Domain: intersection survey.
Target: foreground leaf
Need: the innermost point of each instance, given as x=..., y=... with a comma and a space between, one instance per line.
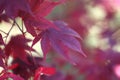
x=17, y=47
x=44, y=71
x=62, y=40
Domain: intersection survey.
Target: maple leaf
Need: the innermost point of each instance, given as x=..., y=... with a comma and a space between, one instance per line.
x=66, y=30
x=26, y=70
x=45, y=8
x=34, y=24
x=40, y=9
x=17, y=47
x=60, y=40
x=12, y=7
x=63, y=39
x=44, y=71
x=45, y=45
x=23, y=69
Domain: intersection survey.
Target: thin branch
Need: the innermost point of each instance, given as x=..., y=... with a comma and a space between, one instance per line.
x=3, y=32
x=9, y=31
x=19, y=28
x=22, y=26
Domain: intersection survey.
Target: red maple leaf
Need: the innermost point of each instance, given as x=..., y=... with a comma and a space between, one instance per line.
x=17, y=47
x=44, y=71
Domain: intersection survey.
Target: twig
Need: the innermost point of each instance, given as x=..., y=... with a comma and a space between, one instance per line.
x=3, y=32
x=20, y=28
x=9, y=31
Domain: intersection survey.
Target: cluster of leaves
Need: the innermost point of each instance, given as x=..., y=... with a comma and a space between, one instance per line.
x=54, y=35
x=57, y=37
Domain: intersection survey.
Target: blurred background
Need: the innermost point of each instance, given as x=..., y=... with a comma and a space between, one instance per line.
x=98, y=23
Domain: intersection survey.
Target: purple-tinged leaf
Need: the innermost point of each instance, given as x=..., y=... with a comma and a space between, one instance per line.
x=65, y=37
x=59, y=47
x=61, y=40
x=45, y=24
x=45, y=45
x=66, y=30
x=12, y=7
x=72, y=43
